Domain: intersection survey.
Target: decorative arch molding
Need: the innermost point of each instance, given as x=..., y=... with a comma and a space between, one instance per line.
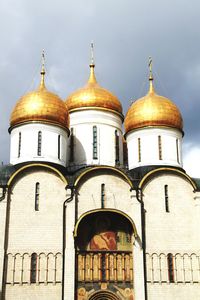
x=152, y=173
x=15, y=174
x=115, y=170
x=103, y=295
x=114, y=211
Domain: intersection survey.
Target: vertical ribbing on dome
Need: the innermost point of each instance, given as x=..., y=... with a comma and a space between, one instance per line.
x=42, y=83
x=151, y=87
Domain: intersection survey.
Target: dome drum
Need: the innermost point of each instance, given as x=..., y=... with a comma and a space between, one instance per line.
x=96, y=120
x=154, y=130
x=39, y=127
x=36, y=141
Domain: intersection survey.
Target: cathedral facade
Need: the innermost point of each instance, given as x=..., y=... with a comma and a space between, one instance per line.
x=89, y=211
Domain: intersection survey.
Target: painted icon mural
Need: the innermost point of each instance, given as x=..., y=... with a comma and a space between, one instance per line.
x=104, y=238
x=103, y=233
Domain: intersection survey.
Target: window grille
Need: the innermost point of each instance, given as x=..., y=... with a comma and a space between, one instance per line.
x=37, y=196
x=177, y=151
x=19, y=144
x=139, y=150
x=39, y=143
x=160, y=147
x=59, y=146
x=33, y=268
x=116, y=147
x=166, y=198
x=170, y=264
x=71, y=154
x=94, y=142
x=102, y=195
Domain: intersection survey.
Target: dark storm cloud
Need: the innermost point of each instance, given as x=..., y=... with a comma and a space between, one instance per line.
x=125, y=33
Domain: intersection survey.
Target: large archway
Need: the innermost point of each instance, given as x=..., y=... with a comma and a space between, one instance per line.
x=104, y=255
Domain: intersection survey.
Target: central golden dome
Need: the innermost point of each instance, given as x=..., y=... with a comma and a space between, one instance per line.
x=153, y=110
x=40, y=106
x=92, y=95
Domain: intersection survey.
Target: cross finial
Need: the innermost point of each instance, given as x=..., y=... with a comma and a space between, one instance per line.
x=43, y=63
x=42, y=72
x=92, y=54
x=151, y=88
x=150, y=68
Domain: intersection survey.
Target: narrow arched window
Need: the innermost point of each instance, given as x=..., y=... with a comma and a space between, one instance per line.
x=39, y=143
x=160, y=147
x=59, y=146
x=125, y=154
x=19, y=144
x=116, y=147
x=170, y=264
x=103, y=195
x=71, y=154
x=33, y=268
x=37, y=196
x=166, y=198
x=94, y=142
x=139, y=150
x=177, y=151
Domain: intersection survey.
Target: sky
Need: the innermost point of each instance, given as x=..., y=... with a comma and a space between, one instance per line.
x=125, y=33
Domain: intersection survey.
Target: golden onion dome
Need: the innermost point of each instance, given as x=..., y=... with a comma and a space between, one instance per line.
x=40, y=106
x=92, y=95
x=153, y=110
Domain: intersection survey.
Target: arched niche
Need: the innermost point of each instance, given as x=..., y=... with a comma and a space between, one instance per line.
x=105, y=230
x=104, y=251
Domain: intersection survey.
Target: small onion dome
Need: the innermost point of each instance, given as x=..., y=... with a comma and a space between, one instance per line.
x=40, y=106
x=153, y=110
x=92, y=95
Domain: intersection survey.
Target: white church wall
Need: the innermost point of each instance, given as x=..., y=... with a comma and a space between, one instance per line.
x=24, y=292
x=171, y=231
x=119, y=197
x=117, y=193
x=29, y=144
x=69, y=281
x=44, y=224
x=168, y=291
x=174, y=232
x=82, y=123
x=39, y=232
x=3, y=204
x=143, y=147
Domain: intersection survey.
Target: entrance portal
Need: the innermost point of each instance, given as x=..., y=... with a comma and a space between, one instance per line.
x=103, y=295
x=104, y=257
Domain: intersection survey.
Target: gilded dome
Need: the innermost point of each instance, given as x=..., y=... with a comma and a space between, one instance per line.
x=92, y=95
x=153, y=110
x=40, y=106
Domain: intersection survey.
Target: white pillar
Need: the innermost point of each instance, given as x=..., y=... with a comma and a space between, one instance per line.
x=69, y=268
x=154, y=146
x=138, y=261
x=106, y=123
x=3, y=206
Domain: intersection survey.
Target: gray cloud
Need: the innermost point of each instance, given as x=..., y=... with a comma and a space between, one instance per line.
x=125, y=33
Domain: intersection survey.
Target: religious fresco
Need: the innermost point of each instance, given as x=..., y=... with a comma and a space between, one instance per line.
x=104, y=257
x=104, y=238
x=104, y=241
x=105, y=234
